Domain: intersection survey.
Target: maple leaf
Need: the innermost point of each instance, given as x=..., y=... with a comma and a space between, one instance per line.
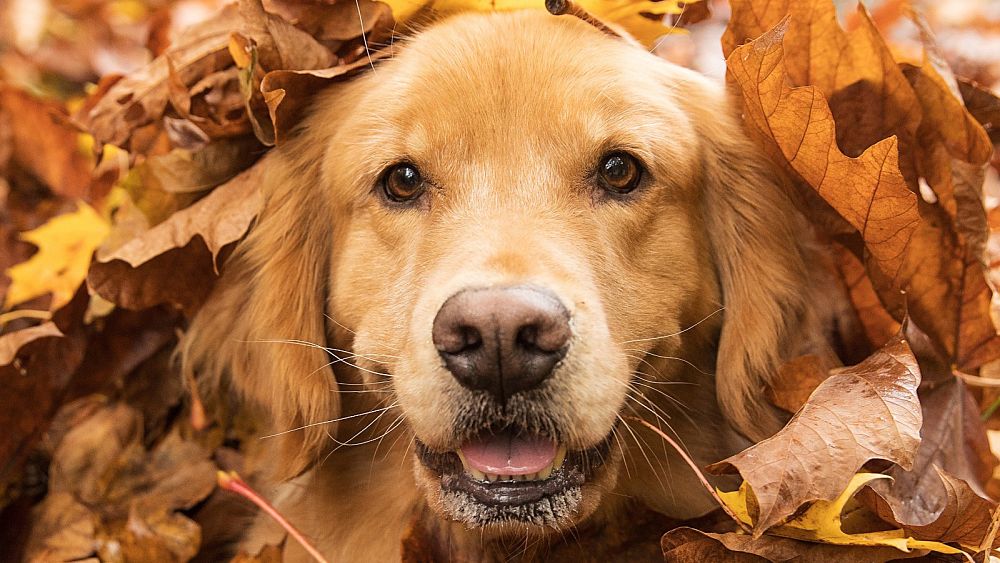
x=821, y=521
x=814, y=108
x=868, y=411
x=65, y=245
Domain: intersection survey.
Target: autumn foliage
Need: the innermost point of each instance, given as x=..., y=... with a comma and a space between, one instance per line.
x=123, y=195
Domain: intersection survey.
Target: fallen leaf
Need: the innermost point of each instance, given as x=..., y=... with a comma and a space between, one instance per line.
x=65, y=246
x=918, y=261
x=175, y=261
x=11, y=343
x=63, y=531
x=965, y=518
x=688, y=545
x=984, y=105
x=141, y=98
x=863, y=412
x=339, y=21
x=281, y=45
x=134, y=496
x=821, y=521
x=953, y=440
x=796, y=380
x=878, y=324
x=44, y=143
x=287, y=93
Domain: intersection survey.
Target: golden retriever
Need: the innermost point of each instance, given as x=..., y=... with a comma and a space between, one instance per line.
x=476, y=262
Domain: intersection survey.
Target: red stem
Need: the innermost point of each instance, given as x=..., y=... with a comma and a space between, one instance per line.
x=233, y=483
x=697, y=471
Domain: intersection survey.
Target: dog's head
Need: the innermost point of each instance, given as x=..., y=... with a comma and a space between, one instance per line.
x=523, y=228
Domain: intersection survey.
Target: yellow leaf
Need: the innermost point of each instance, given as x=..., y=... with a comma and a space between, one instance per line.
x=65, y=245
x=626, y=13
x=821, y=522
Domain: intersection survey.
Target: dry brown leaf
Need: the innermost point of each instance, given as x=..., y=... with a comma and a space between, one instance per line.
x=953, y=439
x=281, y=45
x=863, y=412
x=174, y=262
x=44, y=143
x=797, y=379
x=334, y=21
x=984, y=105
x=688, y=545
x=134, y=494
x=63, y=531
x=878, y=324
x=287, y=93
x=965, y=518
x=141, y=98
x=915, y=258
x=11, y=343
x=854, y=72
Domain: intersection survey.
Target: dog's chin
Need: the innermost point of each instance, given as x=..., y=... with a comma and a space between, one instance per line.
x=560, y=495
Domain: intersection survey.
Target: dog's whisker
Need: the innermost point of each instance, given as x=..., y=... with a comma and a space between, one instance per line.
x=645, y=361
x=679, y=332
x=373, y=422
x=327, y=349
x=668, y=396
x=617, y=437
x=639, y=443
x=396, y=423
x=686, y=361
x=314, y=424
x=636, y=375
x=659, y=418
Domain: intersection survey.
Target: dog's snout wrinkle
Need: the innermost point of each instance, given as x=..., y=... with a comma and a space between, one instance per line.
x=502, y=340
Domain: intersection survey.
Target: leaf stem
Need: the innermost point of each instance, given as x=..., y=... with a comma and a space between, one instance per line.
x=697, y=471
x=233, y=483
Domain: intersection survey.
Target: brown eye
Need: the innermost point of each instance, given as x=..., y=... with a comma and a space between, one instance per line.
x=402, y=183
x=619, y=173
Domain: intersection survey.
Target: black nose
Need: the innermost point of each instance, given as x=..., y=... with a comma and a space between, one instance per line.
x=502, y=340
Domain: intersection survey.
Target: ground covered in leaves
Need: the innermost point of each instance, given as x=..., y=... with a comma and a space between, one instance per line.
x=132, y=137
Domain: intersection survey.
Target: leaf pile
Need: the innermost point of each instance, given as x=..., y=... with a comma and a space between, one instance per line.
x=123, y=198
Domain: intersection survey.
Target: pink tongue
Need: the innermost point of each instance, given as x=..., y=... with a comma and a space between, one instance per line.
x=509, y=455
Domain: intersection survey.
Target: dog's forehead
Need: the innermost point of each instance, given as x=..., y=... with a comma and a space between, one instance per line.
x=475, y=74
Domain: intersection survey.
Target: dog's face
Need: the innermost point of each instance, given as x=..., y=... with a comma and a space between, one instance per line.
x=520, y=191
x=510, y=223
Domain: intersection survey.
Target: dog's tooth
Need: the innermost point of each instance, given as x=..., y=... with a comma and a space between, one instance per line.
x=492, y=477
x=544, y=474
x=465, y=464
x=530, y=477
x=560, y=457
x=476, y=474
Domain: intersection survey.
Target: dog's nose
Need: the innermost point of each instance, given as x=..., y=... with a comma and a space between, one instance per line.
x=502, y=340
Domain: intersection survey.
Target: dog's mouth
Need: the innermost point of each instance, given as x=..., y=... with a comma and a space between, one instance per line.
x=509, y=476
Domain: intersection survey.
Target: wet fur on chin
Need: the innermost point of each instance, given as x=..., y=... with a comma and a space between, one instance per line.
x=324, y=249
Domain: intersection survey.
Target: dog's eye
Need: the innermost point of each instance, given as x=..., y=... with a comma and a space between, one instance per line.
x=402, y=183
x=619, y=172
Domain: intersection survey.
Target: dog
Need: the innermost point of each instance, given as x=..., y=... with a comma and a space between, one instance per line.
x=478, y=265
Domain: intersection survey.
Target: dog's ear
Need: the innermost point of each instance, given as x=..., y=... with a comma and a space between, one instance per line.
x=262, y=331
x=761, y=247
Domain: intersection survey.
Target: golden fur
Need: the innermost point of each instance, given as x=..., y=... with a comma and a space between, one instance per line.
x=703, y=271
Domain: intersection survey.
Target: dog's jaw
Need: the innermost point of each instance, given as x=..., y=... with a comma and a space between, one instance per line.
x=564, y=500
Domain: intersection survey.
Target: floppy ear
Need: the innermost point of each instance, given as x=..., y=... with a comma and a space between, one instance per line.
x=761, y=246
x=274, y=287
